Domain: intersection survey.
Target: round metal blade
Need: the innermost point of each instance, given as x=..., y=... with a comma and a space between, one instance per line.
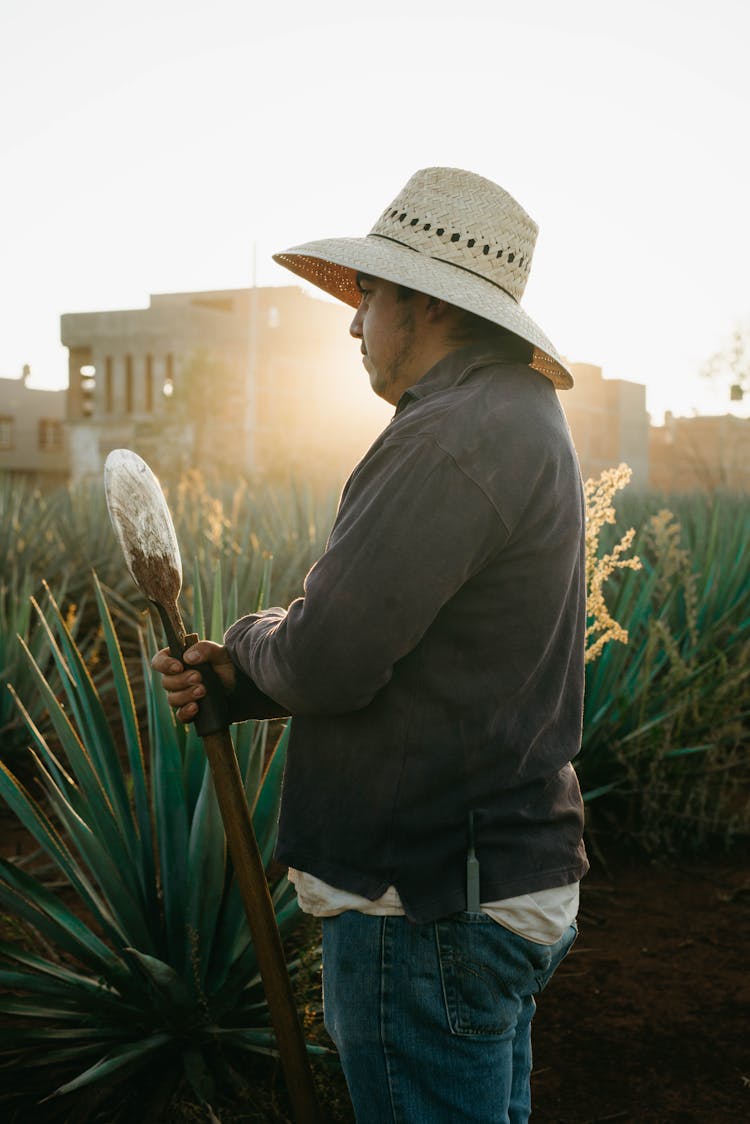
x=143, y=525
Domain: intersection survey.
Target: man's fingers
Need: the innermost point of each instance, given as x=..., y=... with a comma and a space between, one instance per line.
x=183, y=682
x=205, y=651
x=165, y=663
x=188, y=677
x=186, y=713
x=182, y=694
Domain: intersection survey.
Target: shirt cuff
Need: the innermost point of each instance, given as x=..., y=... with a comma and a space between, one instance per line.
x=247, y=700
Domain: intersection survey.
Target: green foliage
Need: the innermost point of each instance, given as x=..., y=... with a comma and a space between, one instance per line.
x=666, y=716
x=678, y=685
x=28, y=528
x=243, y=526
x=54, y=539
x=15, y=621
x=142, y=974
x=29, y=545
x=236, y=530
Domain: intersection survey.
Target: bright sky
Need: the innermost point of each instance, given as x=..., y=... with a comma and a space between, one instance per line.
x=146, y=147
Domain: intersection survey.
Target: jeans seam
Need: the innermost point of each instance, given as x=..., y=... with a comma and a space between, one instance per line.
x=386, y=953
x=439, y=954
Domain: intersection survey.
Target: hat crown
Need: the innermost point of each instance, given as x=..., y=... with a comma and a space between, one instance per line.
x=464, y=220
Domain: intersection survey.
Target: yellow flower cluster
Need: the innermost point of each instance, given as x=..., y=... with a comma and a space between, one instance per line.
x=601, y=627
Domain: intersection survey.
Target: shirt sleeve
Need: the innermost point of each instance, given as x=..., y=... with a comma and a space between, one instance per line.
x=412, y=529
x=248, y=701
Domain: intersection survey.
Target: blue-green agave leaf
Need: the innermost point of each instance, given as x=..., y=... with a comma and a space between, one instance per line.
x=43, y=830
x=115, y=1060
x=266, y=809
x=31, y=900
x=207, y=861
x=167, y=982
x=145, y=851
x=91, y=719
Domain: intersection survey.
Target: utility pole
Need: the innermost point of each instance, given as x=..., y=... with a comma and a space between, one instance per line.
x=251, y=416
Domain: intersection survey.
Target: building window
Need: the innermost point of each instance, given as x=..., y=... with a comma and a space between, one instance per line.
x=168, y=387
x=128, y=384
x=88, y=389
x=6, y=431
x=50, y=435
x=109, y=386
x=149, y=395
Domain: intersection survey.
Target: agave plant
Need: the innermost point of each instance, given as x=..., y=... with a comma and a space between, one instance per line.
x=87, y=543
x=667, y=715
x=17, y=591
x=29, y=535
x=244, y=524
x=143, y=974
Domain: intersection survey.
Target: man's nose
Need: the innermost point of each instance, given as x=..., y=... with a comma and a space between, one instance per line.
x=355, y=328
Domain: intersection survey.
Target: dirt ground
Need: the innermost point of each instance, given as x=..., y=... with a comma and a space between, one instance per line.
x=648, y=1019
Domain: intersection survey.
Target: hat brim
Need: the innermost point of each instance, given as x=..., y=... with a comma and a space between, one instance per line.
x=332, y=265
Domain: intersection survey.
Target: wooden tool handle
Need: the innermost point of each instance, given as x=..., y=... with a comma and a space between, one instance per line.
x=211, y=724
x=251, y=879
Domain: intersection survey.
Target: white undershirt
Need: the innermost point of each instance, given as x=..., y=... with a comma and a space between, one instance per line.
x=541, y=917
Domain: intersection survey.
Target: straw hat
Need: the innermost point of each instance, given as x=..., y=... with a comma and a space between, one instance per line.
x=453, y=235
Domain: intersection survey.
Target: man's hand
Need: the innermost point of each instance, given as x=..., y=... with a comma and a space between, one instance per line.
x=183, y=684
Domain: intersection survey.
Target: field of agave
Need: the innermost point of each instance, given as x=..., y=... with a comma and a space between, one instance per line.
x=141, y=964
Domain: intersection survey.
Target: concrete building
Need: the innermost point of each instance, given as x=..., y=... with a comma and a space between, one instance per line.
x=32, y=431
x=609, y=423
x=268, y=380
x=241, y=380
x=701, y=453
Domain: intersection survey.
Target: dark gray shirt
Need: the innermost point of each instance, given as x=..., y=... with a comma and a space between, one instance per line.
x=434, y=665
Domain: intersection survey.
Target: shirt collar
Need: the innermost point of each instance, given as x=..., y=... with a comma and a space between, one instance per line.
x=457, y=365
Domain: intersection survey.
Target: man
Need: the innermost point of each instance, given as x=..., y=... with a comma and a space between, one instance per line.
x=434, y=669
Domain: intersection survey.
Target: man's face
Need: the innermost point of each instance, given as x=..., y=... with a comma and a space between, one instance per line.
x=388, y=328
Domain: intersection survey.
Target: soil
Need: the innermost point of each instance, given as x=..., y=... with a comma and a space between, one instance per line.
x=155, y=575
x=647, y=1021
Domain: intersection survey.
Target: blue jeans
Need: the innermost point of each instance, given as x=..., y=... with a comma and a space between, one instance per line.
x=433, y=1022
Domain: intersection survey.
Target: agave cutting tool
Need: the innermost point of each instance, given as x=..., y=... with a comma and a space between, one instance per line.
x=143, y=525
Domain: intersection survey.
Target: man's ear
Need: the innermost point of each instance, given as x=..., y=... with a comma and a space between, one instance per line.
x=437, y=310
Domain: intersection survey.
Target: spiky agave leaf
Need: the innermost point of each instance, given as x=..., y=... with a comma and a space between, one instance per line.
x=18, y=588
x=666, y=715
x=147, y=968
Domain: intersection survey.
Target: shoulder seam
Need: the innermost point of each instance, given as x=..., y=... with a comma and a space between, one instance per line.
x=433, y=439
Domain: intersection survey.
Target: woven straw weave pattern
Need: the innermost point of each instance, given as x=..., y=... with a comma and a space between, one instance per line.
x=465, y=220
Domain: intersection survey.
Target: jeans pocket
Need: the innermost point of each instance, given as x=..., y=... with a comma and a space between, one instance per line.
x=475, y=977
x=552, y=956
x=489, y=972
